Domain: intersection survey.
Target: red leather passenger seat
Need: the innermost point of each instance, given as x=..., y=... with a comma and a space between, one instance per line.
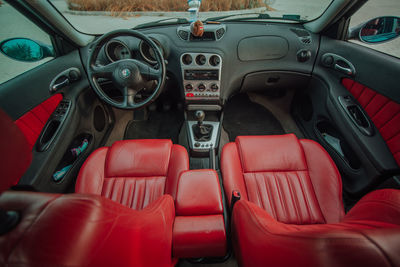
x=291, y=211
x=133, y=172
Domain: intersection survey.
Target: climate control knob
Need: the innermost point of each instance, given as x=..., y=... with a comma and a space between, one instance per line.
x=201, y=87
x=189, y=87
x=214, y=87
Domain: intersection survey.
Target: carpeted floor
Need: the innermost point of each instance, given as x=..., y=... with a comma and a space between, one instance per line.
x=244, y=117
x=159, y=125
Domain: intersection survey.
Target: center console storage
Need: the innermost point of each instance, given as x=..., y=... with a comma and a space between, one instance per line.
x=199, y=228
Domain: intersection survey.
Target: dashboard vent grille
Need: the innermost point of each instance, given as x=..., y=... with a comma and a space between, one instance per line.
x=183, y=35
x=303, y=35
x=220, y=33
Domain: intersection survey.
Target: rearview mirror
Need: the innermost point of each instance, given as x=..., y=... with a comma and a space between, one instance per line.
x=377, y=30
x=24, y=49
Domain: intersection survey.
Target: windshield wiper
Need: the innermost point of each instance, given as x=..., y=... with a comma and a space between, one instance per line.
x=158, y=22
x=259, y=16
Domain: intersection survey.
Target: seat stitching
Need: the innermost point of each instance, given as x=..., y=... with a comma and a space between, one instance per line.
x=258, y=185
x=269, y=197
x=381, y=109
x=295, y=203
x=389, y=120
x=370, y=101
x=304, y=196
x=279, y=191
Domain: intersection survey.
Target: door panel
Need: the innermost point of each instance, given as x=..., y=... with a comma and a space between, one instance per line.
x=362, y=158
x=32, y=122
x=28, y=101
x=384, y=113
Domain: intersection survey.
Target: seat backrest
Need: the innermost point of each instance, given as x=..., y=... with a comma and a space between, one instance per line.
x=293, y=180
x=133, y=172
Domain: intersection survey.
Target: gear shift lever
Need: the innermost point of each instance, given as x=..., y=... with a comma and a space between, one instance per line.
x=202, y=132
x=200, y=115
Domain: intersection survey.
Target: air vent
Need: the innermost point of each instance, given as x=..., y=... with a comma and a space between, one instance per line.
x=212, y=32
x=220, y=33
x=304, y=35
x=183, y=35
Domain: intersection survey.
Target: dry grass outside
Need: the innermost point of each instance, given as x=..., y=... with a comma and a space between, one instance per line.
x=162, y=5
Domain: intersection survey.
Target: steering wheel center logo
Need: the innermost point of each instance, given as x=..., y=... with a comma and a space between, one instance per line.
x=125, y=73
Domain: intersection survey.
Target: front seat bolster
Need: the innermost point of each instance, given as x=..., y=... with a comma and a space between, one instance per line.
x=86, y=230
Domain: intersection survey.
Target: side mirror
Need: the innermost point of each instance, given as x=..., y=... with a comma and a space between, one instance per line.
x=24, y=49
x=378, y=30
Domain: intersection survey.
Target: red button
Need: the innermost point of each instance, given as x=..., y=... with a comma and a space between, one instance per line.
x=189, y=95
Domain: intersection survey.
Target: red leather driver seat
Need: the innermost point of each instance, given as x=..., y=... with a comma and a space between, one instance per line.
x=133, y=172
x=291, y=211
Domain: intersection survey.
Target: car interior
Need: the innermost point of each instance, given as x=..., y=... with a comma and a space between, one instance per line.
x=258, y=142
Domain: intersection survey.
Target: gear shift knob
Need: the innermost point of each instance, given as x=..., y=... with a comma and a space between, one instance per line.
x=200, y=116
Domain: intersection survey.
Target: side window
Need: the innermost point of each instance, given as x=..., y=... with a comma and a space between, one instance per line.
x=367, y=23
x=23, y=45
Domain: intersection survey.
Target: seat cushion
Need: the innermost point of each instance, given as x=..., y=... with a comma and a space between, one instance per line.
x=295, y=181
x=368, y=236
x=133, y=172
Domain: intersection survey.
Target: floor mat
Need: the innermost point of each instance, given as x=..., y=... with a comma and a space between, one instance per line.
x=244, y=117
x=159, y=125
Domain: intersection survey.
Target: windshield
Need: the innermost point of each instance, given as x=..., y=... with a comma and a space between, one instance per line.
x=100, y=16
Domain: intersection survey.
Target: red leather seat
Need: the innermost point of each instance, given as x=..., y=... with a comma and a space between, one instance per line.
x=88, y=230
x=291, y=211
x=133, y=172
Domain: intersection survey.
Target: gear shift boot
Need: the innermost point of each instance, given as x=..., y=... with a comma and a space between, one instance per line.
x=202, y=132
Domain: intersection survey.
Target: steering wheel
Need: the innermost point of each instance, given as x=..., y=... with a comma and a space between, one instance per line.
x=127, y=75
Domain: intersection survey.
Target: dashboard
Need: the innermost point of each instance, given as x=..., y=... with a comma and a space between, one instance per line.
x=232, y=57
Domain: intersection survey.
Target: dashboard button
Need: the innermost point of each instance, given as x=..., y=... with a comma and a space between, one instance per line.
x=189, y=95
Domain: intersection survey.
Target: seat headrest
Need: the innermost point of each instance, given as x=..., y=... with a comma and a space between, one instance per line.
x=271, y=153
x=138, y=158
x=15, y=151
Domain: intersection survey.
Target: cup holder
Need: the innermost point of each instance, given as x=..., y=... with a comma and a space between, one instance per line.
x=333, y=140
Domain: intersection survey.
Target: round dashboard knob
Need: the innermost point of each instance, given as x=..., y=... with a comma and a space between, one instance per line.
x=189, y=87
x=214, y=61
x=201, y=87
x=187, y=59
x=201, y=60
x=214, y=87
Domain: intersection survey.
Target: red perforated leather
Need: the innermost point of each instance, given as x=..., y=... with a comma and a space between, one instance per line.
x=384, y=113
x=133, y=172
x=280, y=175
x=86, y=230
x=32, y=122
x=15, y=151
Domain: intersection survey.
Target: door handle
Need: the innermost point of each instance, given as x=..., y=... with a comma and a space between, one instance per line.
x=65, y=78
x=345, y=70
x=338, y=63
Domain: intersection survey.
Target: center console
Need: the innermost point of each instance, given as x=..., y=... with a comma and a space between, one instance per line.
x=201, y=75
